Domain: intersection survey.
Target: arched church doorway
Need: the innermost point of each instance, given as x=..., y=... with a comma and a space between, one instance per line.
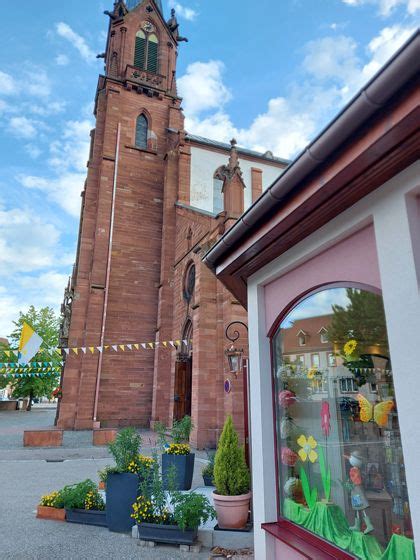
x=183, y=374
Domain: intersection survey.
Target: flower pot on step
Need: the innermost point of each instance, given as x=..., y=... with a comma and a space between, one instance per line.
x=232, y=511
x=208, y=480
x=86, y=517
x=184, y=465
x=170, y=534
x=55, y=514
x=121, y=493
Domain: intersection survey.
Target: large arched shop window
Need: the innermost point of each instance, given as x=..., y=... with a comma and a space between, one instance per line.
x=340, y=459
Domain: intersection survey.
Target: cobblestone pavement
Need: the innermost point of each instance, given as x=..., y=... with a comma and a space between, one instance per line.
x=26, y=474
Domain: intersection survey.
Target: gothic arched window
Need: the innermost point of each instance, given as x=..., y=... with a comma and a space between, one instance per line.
x=142, y=127
x=146, y=52
x=218, y=203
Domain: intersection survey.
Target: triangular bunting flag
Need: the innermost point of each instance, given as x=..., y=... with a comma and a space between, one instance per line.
x=99, y=348
x=7, y=352
x=143, y=345
x=115, y=347
x=171, y=342
x=136, y=346
x=122, y=347
x=83, y=350
x=67, y=351
x=76, y=351
x=129, y=346
x=150, y=344
x=91, y=349
x=165, y=344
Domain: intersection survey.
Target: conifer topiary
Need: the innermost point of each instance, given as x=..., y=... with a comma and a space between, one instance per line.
x=231, y=474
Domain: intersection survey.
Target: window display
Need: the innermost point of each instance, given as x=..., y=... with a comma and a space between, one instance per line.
x=340, y=458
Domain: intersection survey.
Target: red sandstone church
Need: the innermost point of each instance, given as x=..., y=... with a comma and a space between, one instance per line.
x=155, y=201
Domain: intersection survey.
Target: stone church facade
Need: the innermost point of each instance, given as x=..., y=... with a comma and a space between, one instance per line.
x=155, y=201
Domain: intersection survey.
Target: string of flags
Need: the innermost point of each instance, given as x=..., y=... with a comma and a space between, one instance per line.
x=79, y=350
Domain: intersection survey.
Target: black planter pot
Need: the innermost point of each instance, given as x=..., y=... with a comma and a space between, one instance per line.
x=170, y=534
x=121, y=493
x=184, y=465
x=208, y=480
x=86, y=517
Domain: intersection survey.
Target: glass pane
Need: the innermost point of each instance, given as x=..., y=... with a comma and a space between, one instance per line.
x=218, y=205
x=340, y=458
x=141, y=132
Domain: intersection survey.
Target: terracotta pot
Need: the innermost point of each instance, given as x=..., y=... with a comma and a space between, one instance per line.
x=55, y=514
x=232, y=511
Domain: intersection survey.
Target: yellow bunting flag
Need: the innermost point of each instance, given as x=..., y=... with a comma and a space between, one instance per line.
x=75, y=350
x=122, y=347
x=136, y=346
x=29, y=344
x=150, y=344
x=91, y=349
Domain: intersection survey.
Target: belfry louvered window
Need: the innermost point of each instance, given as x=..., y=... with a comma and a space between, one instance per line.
x=146, y=52
x=140, y=53
x=141, y=132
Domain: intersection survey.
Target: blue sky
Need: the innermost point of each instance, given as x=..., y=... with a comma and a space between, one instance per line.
x=270, y=73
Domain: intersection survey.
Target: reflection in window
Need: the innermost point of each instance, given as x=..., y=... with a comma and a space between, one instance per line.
x=141, y=132
x=340, y=458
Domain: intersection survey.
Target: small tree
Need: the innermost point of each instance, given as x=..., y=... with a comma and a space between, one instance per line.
x=125, y=448
x=46, y=324
x=231, y=474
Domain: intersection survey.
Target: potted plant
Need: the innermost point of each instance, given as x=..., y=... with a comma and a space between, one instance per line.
x=121, y=483
x=178, y=453
x=208, y=471
x=51, y=507
x=172, y=517
x=232, y=480
x=84, y=504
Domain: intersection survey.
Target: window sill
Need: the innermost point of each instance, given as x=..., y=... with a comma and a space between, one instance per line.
x=146, y=151
x=307, y=544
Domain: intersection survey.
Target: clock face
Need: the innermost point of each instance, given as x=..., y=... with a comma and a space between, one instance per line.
x=147, y=26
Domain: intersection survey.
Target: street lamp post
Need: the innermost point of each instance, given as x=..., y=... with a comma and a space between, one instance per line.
x=239, y=364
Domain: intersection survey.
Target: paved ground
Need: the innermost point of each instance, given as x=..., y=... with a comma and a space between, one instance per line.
x=26, y=474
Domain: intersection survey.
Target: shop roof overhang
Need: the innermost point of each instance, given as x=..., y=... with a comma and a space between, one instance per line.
x=372, y=139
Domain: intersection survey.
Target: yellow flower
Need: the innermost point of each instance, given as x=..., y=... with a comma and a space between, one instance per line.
x=312, y=372
x=350, y=347
x=308, y=446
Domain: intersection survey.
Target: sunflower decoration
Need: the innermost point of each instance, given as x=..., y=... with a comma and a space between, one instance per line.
x=307, y=448
x=350, y=348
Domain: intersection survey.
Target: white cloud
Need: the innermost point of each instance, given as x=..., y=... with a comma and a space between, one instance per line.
x=386, y=7
x=332, y=72
x=33, y=151
x=64, y=189
x=66, y=32
x=182, y=11
x=27, y=243
x=7, y=84
x=37, y=83
x=202, y=87
x=50, y=284
x=62, y=60
x=22, y=127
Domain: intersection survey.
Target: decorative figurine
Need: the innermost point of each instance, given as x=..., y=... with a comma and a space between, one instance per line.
x=359, y=502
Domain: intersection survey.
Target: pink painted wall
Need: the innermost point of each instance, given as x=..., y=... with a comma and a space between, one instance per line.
x=352, y=260
x=284, y=552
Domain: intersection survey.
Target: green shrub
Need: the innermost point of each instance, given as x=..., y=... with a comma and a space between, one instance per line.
x=179, y=433
x=74, y=496
x=231, y=474
x=209, y=468
x=125, y=448
x=191, y=510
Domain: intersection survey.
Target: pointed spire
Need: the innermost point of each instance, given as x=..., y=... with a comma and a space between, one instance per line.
x=233, y=165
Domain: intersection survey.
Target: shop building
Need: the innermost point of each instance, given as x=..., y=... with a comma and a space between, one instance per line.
x=335, y=463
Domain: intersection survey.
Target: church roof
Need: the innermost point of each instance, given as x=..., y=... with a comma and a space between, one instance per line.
x=208, y=142
x=131, y=4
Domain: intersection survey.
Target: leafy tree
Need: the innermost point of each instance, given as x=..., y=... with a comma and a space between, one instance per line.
x=363, y=319
x=231, y=474
x=46, y=324
x=4, y=381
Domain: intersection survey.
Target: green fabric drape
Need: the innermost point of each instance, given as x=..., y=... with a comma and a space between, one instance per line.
x=399, y=548
x=328, y=521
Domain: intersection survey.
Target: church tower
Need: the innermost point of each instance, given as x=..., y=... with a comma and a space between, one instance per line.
x=115, y=286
